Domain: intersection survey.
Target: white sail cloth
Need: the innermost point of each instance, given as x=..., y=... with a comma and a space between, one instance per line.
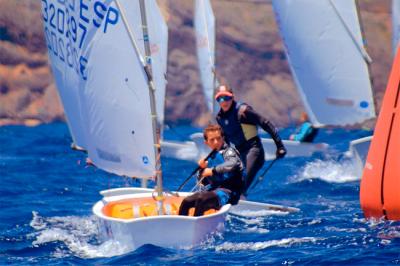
x=325, y=50
x=102, y=82
x=204, y=24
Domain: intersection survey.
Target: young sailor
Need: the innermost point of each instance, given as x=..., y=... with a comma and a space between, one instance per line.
x=239, y=122
x=305, y=132
x=221, y=175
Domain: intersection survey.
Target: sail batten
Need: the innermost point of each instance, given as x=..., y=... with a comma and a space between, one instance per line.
x=327, y=59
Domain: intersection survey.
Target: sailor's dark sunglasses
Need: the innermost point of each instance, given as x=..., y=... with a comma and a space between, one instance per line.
x=224, y=98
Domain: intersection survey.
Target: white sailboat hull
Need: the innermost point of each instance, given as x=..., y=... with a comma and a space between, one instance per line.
x=294, y=148
x=358, y=150
x=169, y=231
x=197, y=147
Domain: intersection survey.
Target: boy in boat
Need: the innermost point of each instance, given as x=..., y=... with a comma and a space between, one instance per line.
x=239, y=122
x=305, y=132
x=222, y=175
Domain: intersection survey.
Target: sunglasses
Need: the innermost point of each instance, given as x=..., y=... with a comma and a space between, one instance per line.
x=225, y=98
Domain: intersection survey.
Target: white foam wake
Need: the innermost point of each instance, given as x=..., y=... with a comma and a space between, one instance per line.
x=285, y=242
x=328, y=171
x=79, y=234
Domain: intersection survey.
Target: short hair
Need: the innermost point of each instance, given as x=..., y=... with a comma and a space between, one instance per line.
x=212, y=127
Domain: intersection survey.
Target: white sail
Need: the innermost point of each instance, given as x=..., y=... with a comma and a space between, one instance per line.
x=67, y=31
x=204, y=23
x=395, y=24
x=102, y=83
x=117, y=100
x=158, y=37
x=327, y=58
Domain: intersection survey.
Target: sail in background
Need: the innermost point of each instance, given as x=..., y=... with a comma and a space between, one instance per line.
x=111, y=105
x=395, y=24
x=204, y=23
x=327, y=58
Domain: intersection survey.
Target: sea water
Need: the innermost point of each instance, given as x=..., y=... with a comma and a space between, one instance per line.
x=47, y=192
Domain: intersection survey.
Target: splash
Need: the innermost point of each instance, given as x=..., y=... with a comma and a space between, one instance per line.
x=79, y=234
x=255, y=246
x=259, y=213
x=328, y=171
x=246, y=225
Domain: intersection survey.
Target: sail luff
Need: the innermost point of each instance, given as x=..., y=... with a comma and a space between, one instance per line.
x=360, y=48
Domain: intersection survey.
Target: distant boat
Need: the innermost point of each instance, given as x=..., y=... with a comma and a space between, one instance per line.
x=204, y=22
x=380, y=183
x=358, y=151
x=329, y=64
x=204, y=26
x=358, y=148
x=112, y=95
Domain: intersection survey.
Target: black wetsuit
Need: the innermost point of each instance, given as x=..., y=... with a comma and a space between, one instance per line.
x=223, y=187
x=239, y=124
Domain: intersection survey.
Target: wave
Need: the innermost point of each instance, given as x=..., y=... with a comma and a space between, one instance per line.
x=328, y=171
x=255, y=246
x=79, y=234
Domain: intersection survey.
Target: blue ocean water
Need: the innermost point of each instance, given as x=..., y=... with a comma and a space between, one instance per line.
x=46, y=195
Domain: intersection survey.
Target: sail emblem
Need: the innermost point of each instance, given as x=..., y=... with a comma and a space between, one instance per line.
x=145, y=159
x=364, y=104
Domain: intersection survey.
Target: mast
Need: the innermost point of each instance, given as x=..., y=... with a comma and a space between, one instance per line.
x=147, y=69
x=156, y=127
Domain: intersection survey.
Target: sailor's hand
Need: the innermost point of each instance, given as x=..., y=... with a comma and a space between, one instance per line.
x=89, y=162
x=207, y=172
x=280, y=152
x=203, y=163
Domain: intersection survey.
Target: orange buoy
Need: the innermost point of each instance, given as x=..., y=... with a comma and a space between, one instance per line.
x=380, y=183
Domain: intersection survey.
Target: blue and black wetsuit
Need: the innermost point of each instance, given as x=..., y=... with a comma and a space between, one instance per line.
x=223, y=187
x=305, y=133
x=240, y=124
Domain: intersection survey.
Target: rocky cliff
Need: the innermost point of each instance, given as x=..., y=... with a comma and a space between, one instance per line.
x=250, y=57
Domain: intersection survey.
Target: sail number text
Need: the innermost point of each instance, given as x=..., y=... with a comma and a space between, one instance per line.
x=66, y=34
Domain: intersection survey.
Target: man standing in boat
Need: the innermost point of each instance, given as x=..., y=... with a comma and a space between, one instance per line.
x=239, y=122
x=221, y=176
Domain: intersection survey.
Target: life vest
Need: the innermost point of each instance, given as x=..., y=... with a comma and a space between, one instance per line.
x=236, y=132
x=230, y=180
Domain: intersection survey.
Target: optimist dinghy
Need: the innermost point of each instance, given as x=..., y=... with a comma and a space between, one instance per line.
x=107, y=81
x=133, y=220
